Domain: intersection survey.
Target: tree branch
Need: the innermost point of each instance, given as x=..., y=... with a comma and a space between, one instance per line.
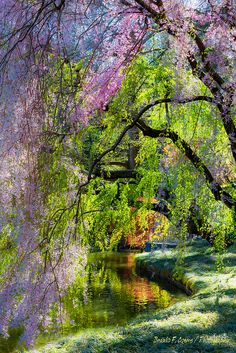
x=117, y=174
x=134, y=123
x=182, y=145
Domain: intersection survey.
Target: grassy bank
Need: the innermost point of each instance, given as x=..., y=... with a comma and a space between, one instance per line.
x=205, y=322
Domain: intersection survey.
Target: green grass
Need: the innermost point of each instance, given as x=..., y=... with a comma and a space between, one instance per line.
x=204, y=322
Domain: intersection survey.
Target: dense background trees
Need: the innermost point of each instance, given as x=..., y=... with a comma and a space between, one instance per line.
x=105, y=104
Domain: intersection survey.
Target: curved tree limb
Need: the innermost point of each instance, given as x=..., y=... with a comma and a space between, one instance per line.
x=134, y=123
x=200, y=66
x=216, y=189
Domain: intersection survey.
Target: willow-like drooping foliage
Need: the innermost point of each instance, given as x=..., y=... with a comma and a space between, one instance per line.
x=70, y=98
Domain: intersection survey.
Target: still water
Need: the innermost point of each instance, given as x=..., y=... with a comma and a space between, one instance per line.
x=109, y=294
x=112, y=293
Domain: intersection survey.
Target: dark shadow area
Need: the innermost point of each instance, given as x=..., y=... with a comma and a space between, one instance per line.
x=10, y=344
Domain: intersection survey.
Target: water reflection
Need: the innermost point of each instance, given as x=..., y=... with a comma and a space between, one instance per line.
x=111, y=293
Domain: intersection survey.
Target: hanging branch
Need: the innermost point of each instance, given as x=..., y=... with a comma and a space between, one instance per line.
x=200, y=65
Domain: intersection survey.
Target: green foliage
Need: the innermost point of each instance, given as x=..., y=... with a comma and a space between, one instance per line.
x=103, y=214
x=7, y=248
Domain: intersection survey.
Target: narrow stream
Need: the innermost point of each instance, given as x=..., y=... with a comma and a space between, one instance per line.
x=110, y=294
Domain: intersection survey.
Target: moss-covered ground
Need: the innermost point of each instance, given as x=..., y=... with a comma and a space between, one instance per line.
x=204, y=322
